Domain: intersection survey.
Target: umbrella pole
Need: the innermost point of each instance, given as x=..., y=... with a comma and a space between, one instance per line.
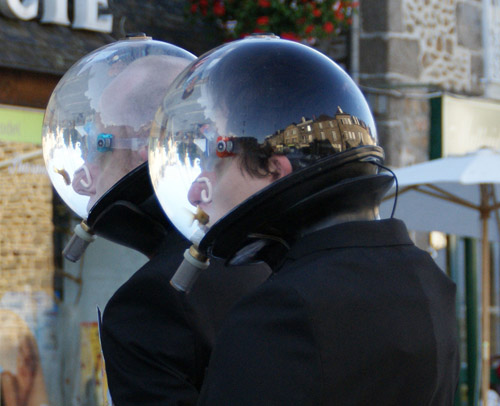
x=485, y=287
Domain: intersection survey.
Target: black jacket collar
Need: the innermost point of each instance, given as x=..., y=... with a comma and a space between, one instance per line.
x=353, y=234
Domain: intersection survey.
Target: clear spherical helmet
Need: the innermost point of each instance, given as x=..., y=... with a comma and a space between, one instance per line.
x=254, y=120
x=98, y=118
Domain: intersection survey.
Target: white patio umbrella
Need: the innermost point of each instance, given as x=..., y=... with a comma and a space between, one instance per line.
x=455, y=195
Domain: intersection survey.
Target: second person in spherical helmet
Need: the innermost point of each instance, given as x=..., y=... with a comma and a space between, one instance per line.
x=277, y=147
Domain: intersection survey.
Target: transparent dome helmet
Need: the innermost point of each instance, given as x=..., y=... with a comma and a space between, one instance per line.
x=250, y=119
x=97, y=121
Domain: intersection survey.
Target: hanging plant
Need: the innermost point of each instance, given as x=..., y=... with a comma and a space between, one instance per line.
x=299, y=20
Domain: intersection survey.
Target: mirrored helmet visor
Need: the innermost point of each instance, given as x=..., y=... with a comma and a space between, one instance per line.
x=97, y=122
x=228, y=116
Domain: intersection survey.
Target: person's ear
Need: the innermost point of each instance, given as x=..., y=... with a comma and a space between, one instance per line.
x=280, y=166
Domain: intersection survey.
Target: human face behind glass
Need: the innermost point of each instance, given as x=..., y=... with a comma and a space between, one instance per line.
x=218, y=191
x=102, y=169
x=223, y=182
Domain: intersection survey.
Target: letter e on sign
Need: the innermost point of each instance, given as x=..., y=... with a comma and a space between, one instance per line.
x=87, y=16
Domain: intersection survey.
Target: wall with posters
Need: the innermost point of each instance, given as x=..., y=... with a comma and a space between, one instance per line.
x=49, y=348
x=27, y=303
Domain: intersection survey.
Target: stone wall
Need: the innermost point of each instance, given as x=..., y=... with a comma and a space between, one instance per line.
x=26, y=244
x=411, y=50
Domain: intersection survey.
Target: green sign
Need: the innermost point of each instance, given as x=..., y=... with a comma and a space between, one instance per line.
x=19, y=124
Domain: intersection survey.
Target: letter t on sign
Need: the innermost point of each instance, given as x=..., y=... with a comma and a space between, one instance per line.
x=55, y=12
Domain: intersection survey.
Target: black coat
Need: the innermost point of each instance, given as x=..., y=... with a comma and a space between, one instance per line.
x=356, y=316
x=156, y=341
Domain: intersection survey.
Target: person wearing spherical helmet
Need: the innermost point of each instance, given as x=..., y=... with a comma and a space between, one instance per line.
x=272, y=155
x=155, y=341
x=95, y=133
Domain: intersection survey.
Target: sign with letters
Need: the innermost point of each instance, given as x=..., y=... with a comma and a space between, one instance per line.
x=469, y=124
x=87, y=15
x=20, y=124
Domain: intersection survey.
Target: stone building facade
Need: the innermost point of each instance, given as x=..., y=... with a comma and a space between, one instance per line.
x=410, y=51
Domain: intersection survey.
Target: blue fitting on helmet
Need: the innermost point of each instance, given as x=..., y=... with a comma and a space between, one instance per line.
x=104, y=142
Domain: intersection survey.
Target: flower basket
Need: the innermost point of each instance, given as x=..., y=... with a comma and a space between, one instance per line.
x=299, y=20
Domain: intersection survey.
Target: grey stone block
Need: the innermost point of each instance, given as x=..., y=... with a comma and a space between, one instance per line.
x=469, y=26
x=373, y=55
x=396, y=55
x=381, y=15
x=403, y=57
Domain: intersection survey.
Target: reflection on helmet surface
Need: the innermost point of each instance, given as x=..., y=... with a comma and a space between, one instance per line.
x=246, y=115
x=98, y=119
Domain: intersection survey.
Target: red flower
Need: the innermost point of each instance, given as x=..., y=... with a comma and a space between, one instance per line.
x=194, y=8
x=328, y=27
x=264, y=3
x=290, y=36
x=316, y=12
x=309, y=29
x=219, y=9
x=263, y=20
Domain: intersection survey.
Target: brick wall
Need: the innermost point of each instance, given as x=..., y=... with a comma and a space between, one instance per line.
x=26, y=242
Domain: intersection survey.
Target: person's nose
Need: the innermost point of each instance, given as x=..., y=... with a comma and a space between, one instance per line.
x=201, y=190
